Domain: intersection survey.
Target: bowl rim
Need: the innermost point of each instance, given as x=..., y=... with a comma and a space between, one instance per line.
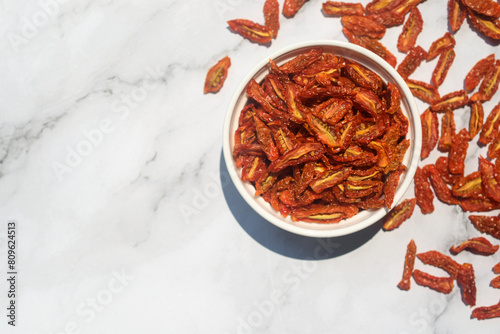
x=281, y=223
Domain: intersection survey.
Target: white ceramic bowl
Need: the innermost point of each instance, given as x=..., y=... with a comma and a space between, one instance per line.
x=364, y=218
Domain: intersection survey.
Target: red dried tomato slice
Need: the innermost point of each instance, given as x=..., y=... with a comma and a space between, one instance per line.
x=476, y=118
x=250, y=30
x=422, y=90
x=494, y=148
x=364, y=77
x=216, y=76
x=291, y=7
x=271, y=16
x=265, y=139
x=411, y=30
x=317, y=213
x=399, y=214
x=387, y=18
x=447, y=132
x=456, y=14
x=412, y=60
x=486, y=312
x=490, y=184
x=479, y=203
x=490, y=127
x=484, y=7
x=489, y=85
x=443, y=193
x=305, y=153
x=391, y=184
x=441, y=70
x=451, y=101
x=487, y=224
x=378, y=6
x=423, y=193
x=430, y=132
x=336, y=8
x=458, y=152
x=484, y=25
x=466, y=282
x=329, y=178
x=301, y=62
x=480, y=246
x=442, y=167
x=363, y=26
x=411, y=252
x=405, y=6
x=468, y=186
x=379, y=49
x=495, y=283
x=440, y=260
x=440, y=45
x=440, y=284
x=496, y=268
x=478, y=72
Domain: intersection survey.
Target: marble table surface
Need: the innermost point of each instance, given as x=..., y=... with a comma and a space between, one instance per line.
x=111, y=167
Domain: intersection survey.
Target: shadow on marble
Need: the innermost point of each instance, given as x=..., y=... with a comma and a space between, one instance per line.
x=284, y=242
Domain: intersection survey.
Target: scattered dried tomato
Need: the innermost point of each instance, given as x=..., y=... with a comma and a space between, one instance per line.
x=441, y=70
x=442, y=167
x=490, y=127
x=387, y=18
x=496, y=268
x=479, y=203
x=447, y=132
x=430, y=132
x=412, y=60
x=440, y=284
x=217, y=75
x=363, y=26
x=250, y=30
x=443, y=193
x=495, y=283
x=411, y=251
x=411, y=30
x=467, y=284
x=399, y=214
x=342, y=8
x=405, y=6
x=486, y=312
x=484, y=7
x=450, y=101
x=487, y=224
x=484, y=25
x=480, y=246
x=476, y=118
x=478, y=72
x=291, y=7
x=377, y=6
x=458, y=152
x=468, y=186
x=441, y=45
x=422, y=90
x=271, y=16
x=379, y=49
x=440, y=260
x=423, y=193
x=494, y=148
x=489, y=85
x=456, y=14
x=490, y=184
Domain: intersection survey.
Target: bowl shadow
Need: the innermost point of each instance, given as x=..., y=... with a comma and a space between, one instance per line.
x=283, y=242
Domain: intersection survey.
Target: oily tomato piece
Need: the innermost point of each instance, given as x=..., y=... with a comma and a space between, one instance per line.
x=399, y=214
x=412, y=60
x=458, y=152
x=216, y=76
x=478, y=72
x=423, y=193
x=479, y=245
x=363, y=26
x=456, y=14
x=484, y=7
x=250, y=30
x=450, y=101
x=440, y=260
x=442, y=67
x=411, y=30
x=271, y=16
x=487, y=224
x=476, y=118
x=336, y=8
x=411, y=252
x=447, y=131
x=423, y=91
x=440, y=284
x=430, y=132
x=440, y=45
x=291, y=7
x=490, y=127
x=485, y=25
x=486, y=312
x=489, y=85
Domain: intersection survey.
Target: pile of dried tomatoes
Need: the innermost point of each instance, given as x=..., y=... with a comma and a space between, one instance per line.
x=300, y=108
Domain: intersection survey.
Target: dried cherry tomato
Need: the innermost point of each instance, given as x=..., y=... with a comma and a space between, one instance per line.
x=405, y=6
x=441, y=45
x=466, y=282
x=443, y=193
x=487, y=224
x=363, y=26
x=450, y=101
x=411, y=30
x=291, y=7
x=484, y=25
x=250, y=30
x=490, y=184
x=411, y=252
x=423, y=193
x=271, y=16
x=378, y=6
x=441, y=70
x=478, y=245
x=399, y=214
x=440, y=260
x=336, y=8
x=489, y=85
x=458, y=152
x=422, y=90
x=478, y=72
x=468, y=186
x=486, y=312
x=484, y=7
x=456, y=14
x=391, y=185
x=440, y=284
x=430, y=132
x=495, y=283
x=476, y=118
x=216, y=76
x=447, y=132
x=490, y=127
x=387, y=18
x=412, y=60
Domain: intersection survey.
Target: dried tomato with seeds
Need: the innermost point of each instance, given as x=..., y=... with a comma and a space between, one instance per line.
x=387, y=18
x=442, y=167
x=363, y=26
x=399, y=214
x=336, y=8
x=411, y=252
x=379, y=49
x=405, y=6
x=468, y=186
x=391, y=185
x=377, y=6
x=450, y=101
x=484, y=7
x=458, y=152
x=440, y=284
x=484, y=25
x=476, y=118
x=447, y=132
x=440, y=45
x=456, y=14
x=443, y=193
x=495, y=283
x=216, y=76
x=440, y=260
x=487, y=224
x=466, y=282
x=494, y=148
x=479, y=203
x=271, y=16
x=430, y=132
x=479, y=245
x=486, y=312
x=489, y=85
x=411, y=30
x=291, y=7
x=496, y=268
x=423, y=193
x=490, y=127
x=250, y=30
x=412, y=60
x=423, y=91
x=478, y=72
x=441, y=70
x=490, y=184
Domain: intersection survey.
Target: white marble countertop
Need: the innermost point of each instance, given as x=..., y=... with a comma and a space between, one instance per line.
x=111, y=166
